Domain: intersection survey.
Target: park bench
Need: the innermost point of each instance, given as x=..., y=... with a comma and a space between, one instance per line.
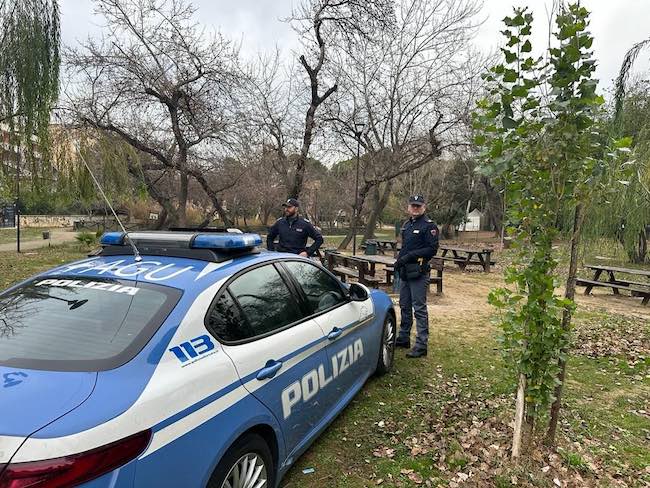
x=467, y=256
x=346, y=267
x=636, y=288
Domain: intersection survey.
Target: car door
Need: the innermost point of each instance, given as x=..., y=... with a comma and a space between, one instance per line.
x=351, y=348
x=279, y=354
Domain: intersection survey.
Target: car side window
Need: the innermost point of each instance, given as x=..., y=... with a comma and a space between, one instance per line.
x=226, y=320
x=265, y=300
x=322, y=290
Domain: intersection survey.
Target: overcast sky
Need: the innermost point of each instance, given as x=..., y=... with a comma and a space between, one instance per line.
x=257, y=24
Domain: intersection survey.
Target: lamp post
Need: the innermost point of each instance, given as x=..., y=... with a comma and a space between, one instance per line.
x=358, y=130
x=17, y=207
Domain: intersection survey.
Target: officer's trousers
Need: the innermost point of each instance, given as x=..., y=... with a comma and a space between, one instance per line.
x=413, y=297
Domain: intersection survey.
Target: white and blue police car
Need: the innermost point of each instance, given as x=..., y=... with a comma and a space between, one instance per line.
x=188, y=360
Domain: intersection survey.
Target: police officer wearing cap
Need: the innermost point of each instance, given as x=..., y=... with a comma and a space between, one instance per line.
x=293, y=231
x=419, y=245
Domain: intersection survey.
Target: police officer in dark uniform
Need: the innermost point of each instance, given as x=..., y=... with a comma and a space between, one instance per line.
x=419, y=245
x=293, y=231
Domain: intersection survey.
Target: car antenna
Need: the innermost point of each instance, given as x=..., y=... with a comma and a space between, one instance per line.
x=136, y=253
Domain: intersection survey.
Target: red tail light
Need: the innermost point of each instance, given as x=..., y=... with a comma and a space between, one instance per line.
x=73, y=470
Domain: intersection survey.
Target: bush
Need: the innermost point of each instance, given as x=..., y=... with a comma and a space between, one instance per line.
x=87, y=239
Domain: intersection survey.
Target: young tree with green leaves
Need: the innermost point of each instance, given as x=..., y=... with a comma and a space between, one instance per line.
x=541, y=139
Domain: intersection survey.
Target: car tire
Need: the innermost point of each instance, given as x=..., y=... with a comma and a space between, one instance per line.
x=387, y=346
x=248, y=449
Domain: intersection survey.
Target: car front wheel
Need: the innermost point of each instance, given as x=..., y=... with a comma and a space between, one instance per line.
x=387, y=348
x=247, y=464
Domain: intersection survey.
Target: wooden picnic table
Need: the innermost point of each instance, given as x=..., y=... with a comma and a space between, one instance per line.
x=345, y=266
x=389, y=263
x=463, y=256
x=383, y=245
x=378, y=259
x=386, y=261
x=636, y=288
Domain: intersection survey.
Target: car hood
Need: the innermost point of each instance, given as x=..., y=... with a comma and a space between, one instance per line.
x=29, y=400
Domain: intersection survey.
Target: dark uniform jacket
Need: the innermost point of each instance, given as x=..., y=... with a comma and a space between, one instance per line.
x=293, y=234
x=419, y=239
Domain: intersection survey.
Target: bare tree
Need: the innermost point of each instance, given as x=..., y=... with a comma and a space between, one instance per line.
x=413, y=87
x=287, y=104
x=165, y=87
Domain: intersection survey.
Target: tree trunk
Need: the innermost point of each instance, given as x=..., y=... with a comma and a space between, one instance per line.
x=494, y=207
x=182, y=200
x=353, y=221
x=519, y=417
x=642, y=247
x=207, y=219
x=168, y=210
x=223, y=215
x=569, y=293
x=266, y=213
x=162, y=220
x=448, y=231
x=380, y=202
x=348, y=237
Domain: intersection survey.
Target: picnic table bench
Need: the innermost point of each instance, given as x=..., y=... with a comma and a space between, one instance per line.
x=346, y=267
x=370, y=268
x=467, y=256
x=636, y=288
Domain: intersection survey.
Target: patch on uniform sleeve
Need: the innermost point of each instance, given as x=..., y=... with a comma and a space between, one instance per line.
x=434, y=232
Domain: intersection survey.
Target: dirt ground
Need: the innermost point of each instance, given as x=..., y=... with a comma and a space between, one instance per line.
x=465, y=293
x=57, y=237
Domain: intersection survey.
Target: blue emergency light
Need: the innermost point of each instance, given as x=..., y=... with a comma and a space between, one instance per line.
x=229, y=241
x=225, y=241
x=112, y=239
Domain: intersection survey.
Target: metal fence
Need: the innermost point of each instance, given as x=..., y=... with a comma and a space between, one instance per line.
x=7, y=215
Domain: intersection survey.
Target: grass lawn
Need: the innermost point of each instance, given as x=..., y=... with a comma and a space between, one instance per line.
x=445, y=420
x=15, y=267
x=27, y=234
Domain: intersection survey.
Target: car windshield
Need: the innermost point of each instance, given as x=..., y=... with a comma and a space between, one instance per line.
x=80, y=324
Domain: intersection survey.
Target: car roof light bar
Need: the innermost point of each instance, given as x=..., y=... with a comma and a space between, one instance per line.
x=225, y=241
x=185, y=240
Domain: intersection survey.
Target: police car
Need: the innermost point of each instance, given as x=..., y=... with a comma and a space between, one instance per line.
x=179, y=359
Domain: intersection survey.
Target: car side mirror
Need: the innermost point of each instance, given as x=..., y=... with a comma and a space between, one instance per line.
x=358, y=293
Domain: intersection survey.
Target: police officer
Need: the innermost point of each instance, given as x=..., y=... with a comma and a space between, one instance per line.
x=293, y=231
x=419, y=245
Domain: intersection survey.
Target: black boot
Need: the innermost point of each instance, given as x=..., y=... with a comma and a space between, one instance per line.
x=416, y=352
x=404, y=344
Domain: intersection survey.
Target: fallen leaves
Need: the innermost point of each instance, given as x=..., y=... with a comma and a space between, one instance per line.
x=384, y=452
x=610, y=334
x=413, y=476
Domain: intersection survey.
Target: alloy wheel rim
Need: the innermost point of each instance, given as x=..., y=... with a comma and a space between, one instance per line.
x=248, y=472
x=388, y=344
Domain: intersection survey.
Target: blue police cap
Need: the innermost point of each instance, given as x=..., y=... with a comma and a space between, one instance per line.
x=416, y=200
x=291, y=202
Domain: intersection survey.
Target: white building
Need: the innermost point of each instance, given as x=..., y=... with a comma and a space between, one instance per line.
x=474, y=220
